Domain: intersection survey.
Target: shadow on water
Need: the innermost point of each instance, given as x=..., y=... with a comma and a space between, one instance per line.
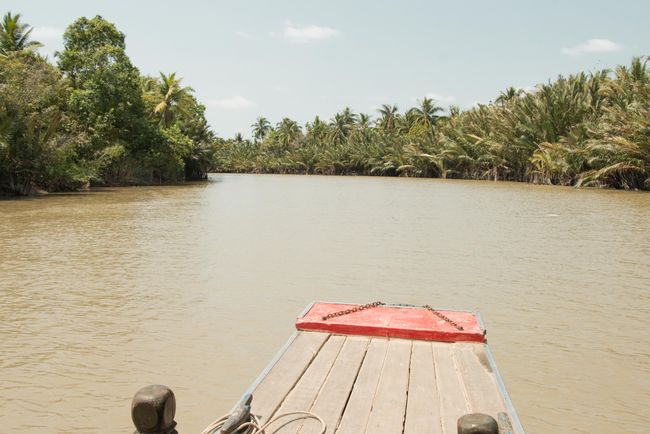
x=93, y=191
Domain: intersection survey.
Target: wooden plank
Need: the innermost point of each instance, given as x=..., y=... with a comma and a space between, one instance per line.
x=355, y=415
x=284, y=375
x=335, y=392
x=389, y=403
x=451, y=389
x=482, y=390
x=303, y=395
x=423, y=403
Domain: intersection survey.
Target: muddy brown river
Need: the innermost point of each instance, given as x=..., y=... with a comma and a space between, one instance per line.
x=197, y=287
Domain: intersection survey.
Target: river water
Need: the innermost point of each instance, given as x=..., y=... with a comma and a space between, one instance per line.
x=197, y=287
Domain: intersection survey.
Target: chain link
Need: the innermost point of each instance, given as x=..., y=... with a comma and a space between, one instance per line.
x=379, y=303
x=352, y=310
x=444, y=317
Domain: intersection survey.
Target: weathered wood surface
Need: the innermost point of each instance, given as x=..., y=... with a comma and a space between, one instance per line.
x=423, y=409
x=377, y=385
x=355, y=417
x=333, y=397
x=275, y=386
x=389, y=402
x=451, y=387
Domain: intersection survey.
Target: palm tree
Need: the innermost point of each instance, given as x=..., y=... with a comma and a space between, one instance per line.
x=173, y=96
x=509, y=94
x=14, y=35
x=316, y=131
x=288, y=131
x=340, y=128
x=349, y=117
x=426, y=114
x=406, y=122
x=388, y=117
x=261, y=128
x=454, y=111
x=362, y=129
x=638, y=70
x=364, y=121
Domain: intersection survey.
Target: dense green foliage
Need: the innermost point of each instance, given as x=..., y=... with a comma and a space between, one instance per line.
x=92, y=119
x=585, y=129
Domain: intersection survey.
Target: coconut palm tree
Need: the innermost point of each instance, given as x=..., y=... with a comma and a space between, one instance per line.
x=509, y=94
x=426, y=114
x=454, y=111
x=388, y=118
x=14, y=35
x=362, y=129
x=638, y=70
x=340, y=128
x=261, y=128
x=349, y=117
x=363, y=122
x=288, y=132
x=173, y=96
x=316, y=131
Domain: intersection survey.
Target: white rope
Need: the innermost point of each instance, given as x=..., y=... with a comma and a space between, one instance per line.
x=253, y=425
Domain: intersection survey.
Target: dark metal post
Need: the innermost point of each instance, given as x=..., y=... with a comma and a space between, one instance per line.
x=153, y=409
x=477, y=423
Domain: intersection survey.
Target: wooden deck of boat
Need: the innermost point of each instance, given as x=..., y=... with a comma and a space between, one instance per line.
x=375, y=385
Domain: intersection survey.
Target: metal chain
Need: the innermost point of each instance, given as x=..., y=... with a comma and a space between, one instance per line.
x=444, y=317
x=379, y=303
x=352, y=310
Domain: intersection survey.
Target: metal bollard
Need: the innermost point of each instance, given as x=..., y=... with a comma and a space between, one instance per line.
x=477, y=423
x=153, y=409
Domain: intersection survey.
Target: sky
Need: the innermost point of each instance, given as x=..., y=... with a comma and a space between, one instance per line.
x=300, y=59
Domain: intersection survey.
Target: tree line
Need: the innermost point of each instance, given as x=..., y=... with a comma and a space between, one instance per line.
x=92, y=119
x=587, y=129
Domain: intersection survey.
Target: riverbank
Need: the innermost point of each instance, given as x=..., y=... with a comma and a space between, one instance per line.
x=102, y=188
x=383, y=175
x=212, y=175
x=587, y=129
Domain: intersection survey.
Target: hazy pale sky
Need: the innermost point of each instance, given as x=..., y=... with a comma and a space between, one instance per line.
x=305, y=58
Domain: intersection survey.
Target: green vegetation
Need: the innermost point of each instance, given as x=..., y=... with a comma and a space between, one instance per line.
x=92, y=119
x=583, y=130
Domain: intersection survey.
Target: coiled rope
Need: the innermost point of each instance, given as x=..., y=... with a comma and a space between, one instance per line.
x=253, y=425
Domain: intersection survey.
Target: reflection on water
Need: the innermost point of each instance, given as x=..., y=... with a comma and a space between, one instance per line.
x=197, y=287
